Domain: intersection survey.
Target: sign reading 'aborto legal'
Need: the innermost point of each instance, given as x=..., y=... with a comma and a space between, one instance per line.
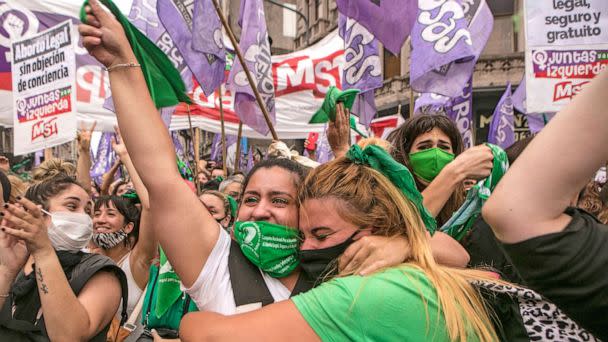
x=566, y=47
x=43, y=71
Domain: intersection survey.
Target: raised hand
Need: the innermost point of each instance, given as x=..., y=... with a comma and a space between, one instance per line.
x=338, y=132
x=104, y=37
x=27, y=222
x=475, y=163
x=84, y=137
x=117, y=145
x=372, y=253
x=13, y=251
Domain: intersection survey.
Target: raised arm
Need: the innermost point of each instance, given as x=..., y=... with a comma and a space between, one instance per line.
x=145, y=250
x=83, y=166
x=184, y=228
x=531, y=198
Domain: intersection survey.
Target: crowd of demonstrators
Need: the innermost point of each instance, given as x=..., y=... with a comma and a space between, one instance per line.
x=358, y=248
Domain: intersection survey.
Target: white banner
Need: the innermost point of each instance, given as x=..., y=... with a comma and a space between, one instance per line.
x=566, y=47
x=301, y=79
x=43, y=69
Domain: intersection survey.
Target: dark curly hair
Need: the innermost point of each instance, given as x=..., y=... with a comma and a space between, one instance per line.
x=286, y=164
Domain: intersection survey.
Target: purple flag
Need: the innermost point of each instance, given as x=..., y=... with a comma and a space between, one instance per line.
x=249, y=160
x=460, y=110
x=102, y=159
x=502, y=131
x=324, y=153
x=216, y=146
x=362, y=69
x=388, y=20
x=202, y=52
x=519, y=96
x=256, y=52
x=429, y=103
x=447, y=40
x=536, y=121
x=207, y=39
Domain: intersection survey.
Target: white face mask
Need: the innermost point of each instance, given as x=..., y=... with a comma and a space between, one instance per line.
x=70, y=231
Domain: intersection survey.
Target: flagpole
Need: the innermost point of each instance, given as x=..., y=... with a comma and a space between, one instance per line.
x=198, y=190
x=411, y=87
x=239, y=54
x=237, y=158
x=224, y=149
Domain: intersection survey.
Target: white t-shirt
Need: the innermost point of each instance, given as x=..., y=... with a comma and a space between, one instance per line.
x=212, y=290
x=134, y=291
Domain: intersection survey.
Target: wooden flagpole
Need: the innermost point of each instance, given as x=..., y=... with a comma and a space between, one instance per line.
x=224, y=149
x=239, y=54
x=237, y=163
x=198, y=190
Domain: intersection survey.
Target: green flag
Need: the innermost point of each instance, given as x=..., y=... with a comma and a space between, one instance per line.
x=168, y=286
x=164, y=81
x=328, y=108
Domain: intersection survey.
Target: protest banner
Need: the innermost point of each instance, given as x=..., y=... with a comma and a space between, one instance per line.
x=43, y=70
x=301, y=78
x=566, y=47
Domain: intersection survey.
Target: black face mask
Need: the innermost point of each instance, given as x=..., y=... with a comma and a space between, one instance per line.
x=318, y=264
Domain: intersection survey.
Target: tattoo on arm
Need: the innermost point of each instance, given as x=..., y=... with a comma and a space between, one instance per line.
x=43, y=286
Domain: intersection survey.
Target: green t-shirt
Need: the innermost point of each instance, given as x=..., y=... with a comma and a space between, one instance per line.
x=391, y=305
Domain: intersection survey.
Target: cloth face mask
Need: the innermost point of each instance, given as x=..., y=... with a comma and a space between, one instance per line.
x=428, y=163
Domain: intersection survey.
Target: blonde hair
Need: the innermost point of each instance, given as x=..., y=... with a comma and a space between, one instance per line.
x=370, y=200
x=51, y=168
x=18, y=188
x=385, y=144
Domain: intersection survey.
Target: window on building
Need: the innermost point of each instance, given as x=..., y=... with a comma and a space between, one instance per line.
x=392, y=65
x=502, y=7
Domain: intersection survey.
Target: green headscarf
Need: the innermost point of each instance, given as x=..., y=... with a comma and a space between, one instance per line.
x=378, y=159
x=328, y=108
x=234, y=206
x=164, y=81
x=461, y=221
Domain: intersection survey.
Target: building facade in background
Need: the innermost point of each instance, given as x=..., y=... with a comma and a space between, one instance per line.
x=502, y=61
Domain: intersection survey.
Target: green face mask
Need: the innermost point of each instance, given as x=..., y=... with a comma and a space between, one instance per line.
x=428, y=163
x=271, y=247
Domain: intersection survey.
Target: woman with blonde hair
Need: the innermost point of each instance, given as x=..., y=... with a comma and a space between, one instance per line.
x=51, y=168
x=419, y=300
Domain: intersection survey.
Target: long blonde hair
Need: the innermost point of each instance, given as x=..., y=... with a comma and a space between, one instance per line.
x=370, y=200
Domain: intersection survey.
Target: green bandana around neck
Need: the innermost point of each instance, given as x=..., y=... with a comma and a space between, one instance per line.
x=271, y=247
x=168, y=285
x=427, y=164
x=378, y=159
x=334, y=95
x=164, y=82
x=462, y=220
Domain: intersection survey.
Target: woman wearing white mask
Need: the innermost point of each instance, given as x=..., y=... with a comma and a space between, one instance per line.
x=48, y=287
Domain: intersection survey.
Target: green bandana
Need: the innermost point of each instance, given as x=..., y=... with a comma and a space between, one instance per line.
x=353, y=126
x=462, y=220
x=378, y=159
x=271, y=247
x=164, y=81
x=428, y=163
x=168, y=286
x=328, y=108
